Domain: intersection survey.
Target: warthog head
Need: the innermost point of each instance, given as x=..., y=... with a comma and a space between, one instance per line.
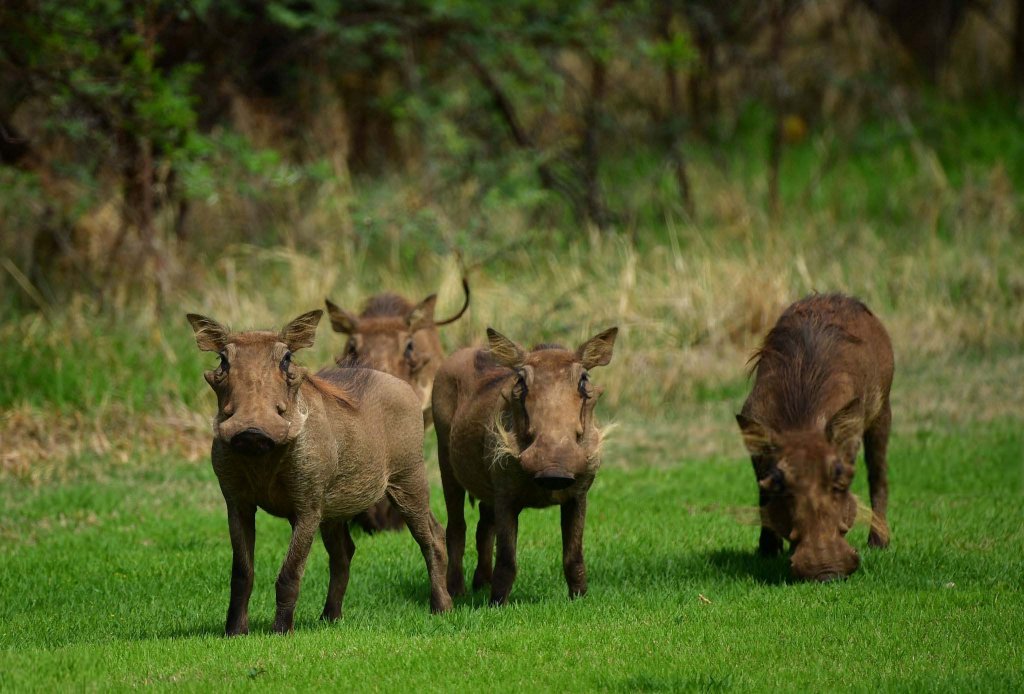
x=549, y=406
x=383, y=338
x=804, y=479
x=396, y=337
x=256, y=383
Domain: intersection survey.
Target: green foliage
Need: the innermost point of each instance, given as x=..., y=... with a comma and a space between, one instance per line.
x=559, y=110
x=97, y=64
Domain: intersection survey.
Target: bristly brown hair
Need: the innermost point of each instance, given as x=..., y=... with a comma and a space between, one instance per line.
x=799, y=354
x=488, y=371
x=386, y=305
x=344, y=384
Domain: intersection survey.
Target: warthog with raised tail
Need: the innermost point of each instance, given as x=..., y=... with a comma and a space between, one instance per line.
x=516, y=429
x=822, y=385
x=394, y=336
x=315, y=449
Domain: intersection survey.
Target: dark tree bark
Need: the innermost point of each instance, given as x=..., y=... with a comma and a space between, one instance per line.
x=779, y=15
x=549, y=178
x=591, y=153
x=671, y=121
x=14, y=149
x=703, y=82
x=925, y=29
x=1018, y=50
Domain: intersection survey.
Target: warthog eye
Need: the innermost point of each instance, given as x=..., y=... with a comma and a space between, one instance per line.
x=223, y=366
x=775, y=482
x=286, y=362
x=586, y=390
x=519, y=389
x=839, y=481
x=351, y=346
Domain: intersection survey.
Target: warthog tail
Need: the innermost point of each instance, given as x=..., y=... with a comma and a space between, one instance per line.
x=465, y=305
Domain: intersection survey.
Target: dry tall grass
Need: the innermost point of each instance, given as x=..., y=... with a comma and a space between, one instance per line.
x=690, y=308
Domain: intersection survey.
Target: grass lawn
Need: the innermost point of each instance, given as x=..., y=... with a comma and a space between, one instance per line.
x=119, y=578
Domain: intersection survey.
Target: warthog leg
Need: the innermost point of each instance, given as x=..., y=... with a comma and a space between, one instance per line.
x=876, y=443
x=340, y=549
x=506, y=521
x=574, y=517
x=455, y=503
x=484, y=547
x=303, y=531
x=242, y=528
x=411, y=495
x=769, y=544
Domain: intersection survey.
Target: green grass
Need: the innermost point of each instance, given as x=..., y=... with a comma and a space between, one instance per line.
x=119, y=578
x=114, y=556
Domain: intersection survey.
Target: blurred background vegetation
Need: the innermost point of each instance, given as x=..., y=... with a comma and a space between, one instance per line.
x=682, y=168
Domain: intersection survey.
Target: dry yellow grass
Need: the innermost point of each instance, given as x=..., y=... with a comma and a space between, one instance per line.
x=688, y=321
x=691, y=306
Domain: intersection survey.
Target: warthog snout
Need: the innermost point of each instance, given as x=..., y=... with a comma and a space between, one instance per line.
x=829, y=577
x=824, y=563
x=252, y=441
x=553, y=466
x=554, y=479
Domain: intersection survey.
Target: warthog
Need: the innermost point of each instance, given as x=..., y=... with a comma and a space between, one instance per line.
x=394, y=336
x=316, y=450
x=823, y=378
x=516, y=429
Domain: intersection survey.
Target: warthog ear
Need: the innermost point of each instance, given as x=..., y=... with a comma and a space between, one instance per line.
x=301, y=331
x=846, y=424
x=422, y=316
x=341, y=320
x=756, y=436
x=211, y=336
x=504, y=351
x=597, y=351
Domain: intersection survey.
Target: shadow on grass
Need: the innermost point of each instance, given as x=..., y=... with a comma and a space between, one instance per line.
x=737, y=564
x=657, y=567
x=416, y=590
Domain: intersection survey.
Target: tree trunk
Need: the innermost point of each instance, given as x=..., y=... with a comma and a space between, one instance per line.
x=549, y=178
x=591, y=154
x=779, y=16
x=1018, y=50
x=671, y=121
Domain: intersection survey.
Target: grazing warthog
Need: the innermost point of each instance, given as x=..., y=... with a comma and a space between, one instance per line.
x=823, y=378
x=516, y=429
x=396, y=337
x=316, y=450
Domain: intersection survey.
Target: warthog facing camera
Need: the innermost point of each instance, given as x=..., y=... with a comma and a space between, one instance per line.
x=315, y=449
x=516, y=429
